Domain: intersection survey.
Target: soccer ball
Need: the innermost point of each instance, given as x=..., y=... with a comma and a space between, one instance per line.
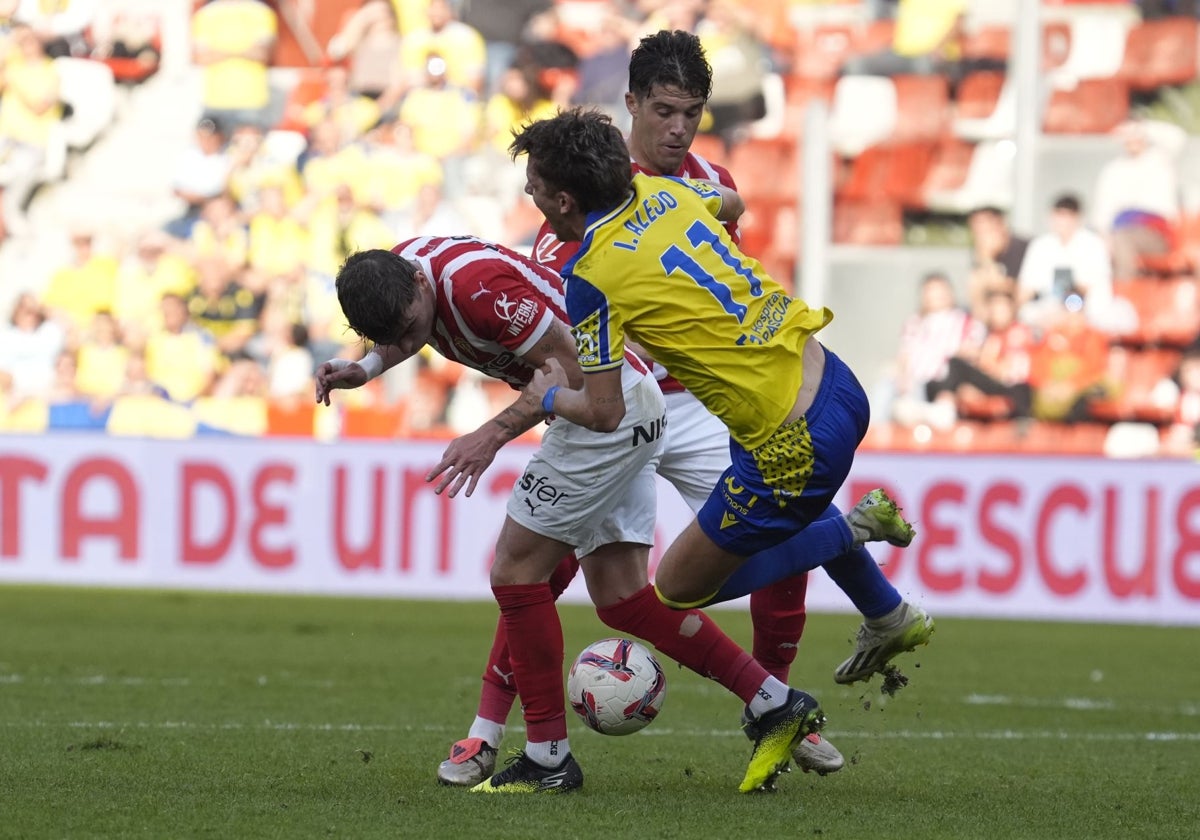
x=616, y=686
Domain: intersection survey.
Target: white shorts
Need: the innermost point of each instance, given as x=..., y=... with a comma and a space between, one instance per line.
x=696, y=451
x=589, y=489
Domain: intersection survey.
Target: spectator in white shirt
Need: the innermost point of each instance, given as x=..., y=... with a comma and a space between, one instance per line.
x=1136, y=201
x=202, y=173
x=1068, y=260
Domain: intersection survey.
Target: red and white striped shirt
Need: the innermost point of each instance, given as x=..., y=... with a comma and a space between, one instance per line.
x=493, y=304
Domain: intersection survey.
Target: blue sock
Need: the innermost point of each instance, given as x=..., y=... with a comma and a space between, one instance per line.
x=827, y=538
x=858, y=575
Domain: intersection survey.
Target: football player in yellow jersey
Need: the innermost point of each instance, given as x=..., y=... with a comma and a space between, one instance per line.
x=655, y=264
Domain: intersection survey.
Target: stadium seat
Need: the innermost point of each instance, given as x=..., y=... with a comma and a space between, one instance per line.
x=864, y=113
x=710, y=147
x=291, y=418
x=978, y=94
x=1182, y=259
x=88, y=87
x=75, y=416
x=863, y=176
x=1097, y=48
x=1160, y=52
x=986, y=107
x=908, y=168
x=370, y=421
x=873, y=222
x=1168, y=310
x=246, y=416
x=987, y=181
x=1094, y=106
x=989, y=42
x=766, y=169
x=948, y=169
x=922, y=108
x=310, y=86
x=149, y=416
x=1137, y=373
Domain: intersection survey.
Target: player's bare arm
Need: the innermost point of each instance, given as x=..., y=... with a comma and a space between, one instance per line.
x=467, y=457
x=732, y=204
x=343, y=373
x=599, y=405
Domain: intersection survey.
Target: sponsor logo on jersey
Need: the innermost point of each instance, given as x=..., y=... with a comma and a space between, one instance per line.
x=546, y=248
x=587, y=340
x=651, y=432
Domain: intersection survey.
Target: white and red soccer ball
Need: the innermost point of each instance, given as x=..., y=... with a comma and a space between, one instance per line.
x=616, y=686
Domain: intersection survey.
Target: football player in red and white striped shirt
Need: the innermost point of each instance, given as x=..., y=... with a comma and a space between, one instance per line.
x=591, y=491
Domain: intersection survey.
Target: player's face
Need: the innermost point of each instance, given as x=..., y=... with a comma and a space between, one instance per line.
x=554, y=205
x=664, y=124
x=416, y=327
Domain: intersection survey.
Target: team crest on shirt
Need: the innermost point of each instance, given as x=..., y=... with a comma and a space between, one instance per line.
x=546, y=247
x=587, y=340
x=519, y=313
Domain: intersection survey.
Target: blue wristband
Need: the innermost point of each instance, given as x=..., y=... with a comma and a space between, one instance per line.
x=548, y=399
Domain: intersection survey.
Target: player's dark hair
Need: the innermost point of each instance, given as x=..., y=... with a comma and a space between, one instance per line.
x=675, y=59
x=375, y=289
x=581, y=153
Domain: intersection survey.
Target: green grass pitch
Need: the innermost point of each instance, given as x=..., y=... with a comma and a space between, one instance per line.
x=179, y=715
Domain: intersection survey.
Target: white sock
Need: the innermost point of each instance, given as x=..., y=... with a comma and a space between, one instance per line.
x=770, y=695
x=548, y=753
x=891, y=619
x=488, y=730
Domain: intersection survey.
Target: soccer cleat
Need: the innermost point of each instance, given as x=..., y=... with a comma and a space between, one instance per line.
x=523, y=775
x=877, y=518
x=778, y=732
x=813, y=753
x=471, y=761
x=903, y=629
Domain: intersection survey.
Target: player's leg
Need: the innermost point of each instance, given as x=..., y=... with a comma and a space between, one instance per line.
x=473, y=759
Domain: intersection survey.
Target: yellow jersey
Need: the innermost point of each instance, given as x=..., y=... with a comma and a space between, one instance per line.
x=663, y=270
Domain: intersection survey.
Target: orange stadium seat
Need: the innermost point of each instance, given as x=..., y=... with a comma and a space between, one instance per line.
x=992, y=42
x=978, y=94
x=1168, y=309
x=1137, y=372
x=949, y=167
x=1183, y=258
x=712, y=148
x=371, y=421
x=873, y=222
x=922, y=108
x=292, y=418
x=1160, y=52
x=863, y=176
x=820, y=51
x=766, y=168
x=906, y=174
x=1093, y=106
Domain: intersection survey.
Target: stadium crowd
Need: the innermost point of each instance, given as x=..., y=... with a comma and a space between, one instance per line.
x=399, y=126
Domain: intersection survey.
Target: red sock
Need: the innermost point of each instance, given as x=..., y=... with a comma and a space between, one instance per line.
x=536, y=651
x=778, y=615
x=499, y=688
x=689, y=637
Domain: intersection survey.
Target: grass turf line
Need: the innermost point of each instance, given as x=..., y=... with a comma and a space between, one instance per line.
x=162, y=714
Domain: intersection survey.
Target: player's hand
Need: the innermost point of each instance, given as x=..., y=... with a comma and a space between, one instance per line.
x=338, y=373
x=463, y=462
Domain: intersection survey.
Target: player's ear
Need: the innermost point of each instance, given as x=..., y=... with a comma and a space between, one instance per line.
x=566, y=202
x=631, y=102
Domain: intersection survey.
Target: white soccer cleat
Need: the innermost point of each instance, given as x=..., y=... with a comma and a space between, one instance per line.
x=471, y=761
x=876, y=518
x=814, y=754
x=881, y=639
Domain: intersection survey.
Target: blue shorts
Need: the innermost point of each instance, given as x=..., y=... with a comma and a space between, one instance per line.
x=772, y=492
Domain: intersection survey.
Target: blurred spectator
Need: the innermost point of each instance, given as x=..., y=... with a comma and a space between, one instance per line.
x=242, y=378
x=232, y=42
x=740, y=63
x=29, y=347
x=254, y=163
x=66, y=372
x=1182, y=393
x=339, y=226
x=502, y=24
x=101, y=359
x=288, y=361
x=927, y=40
x=446, y=122
x=142, y=278
x=137, y=381
x=353, y=113
x=1068, y=365
x=369, y=42
x=278, y=241
x=84, y=286
x=930, y=338
x=996, y=257
x=330, y=163
x=29, y=112
x=461, y=48
x=1067, y=260
x=220, y=232
x=1136, y=199
x=518, y=100
x=398, y=170
x=222, y=306
x=60, y=25
x=180, y=357
x=431, y=215
x=201, y=173
x=126, y=35
x=997, y=367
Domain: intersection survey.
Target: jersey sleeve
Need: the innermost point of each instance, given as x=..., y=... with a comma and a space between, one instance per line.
x=710, y=194
x=599, y=336
x=496, y=306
